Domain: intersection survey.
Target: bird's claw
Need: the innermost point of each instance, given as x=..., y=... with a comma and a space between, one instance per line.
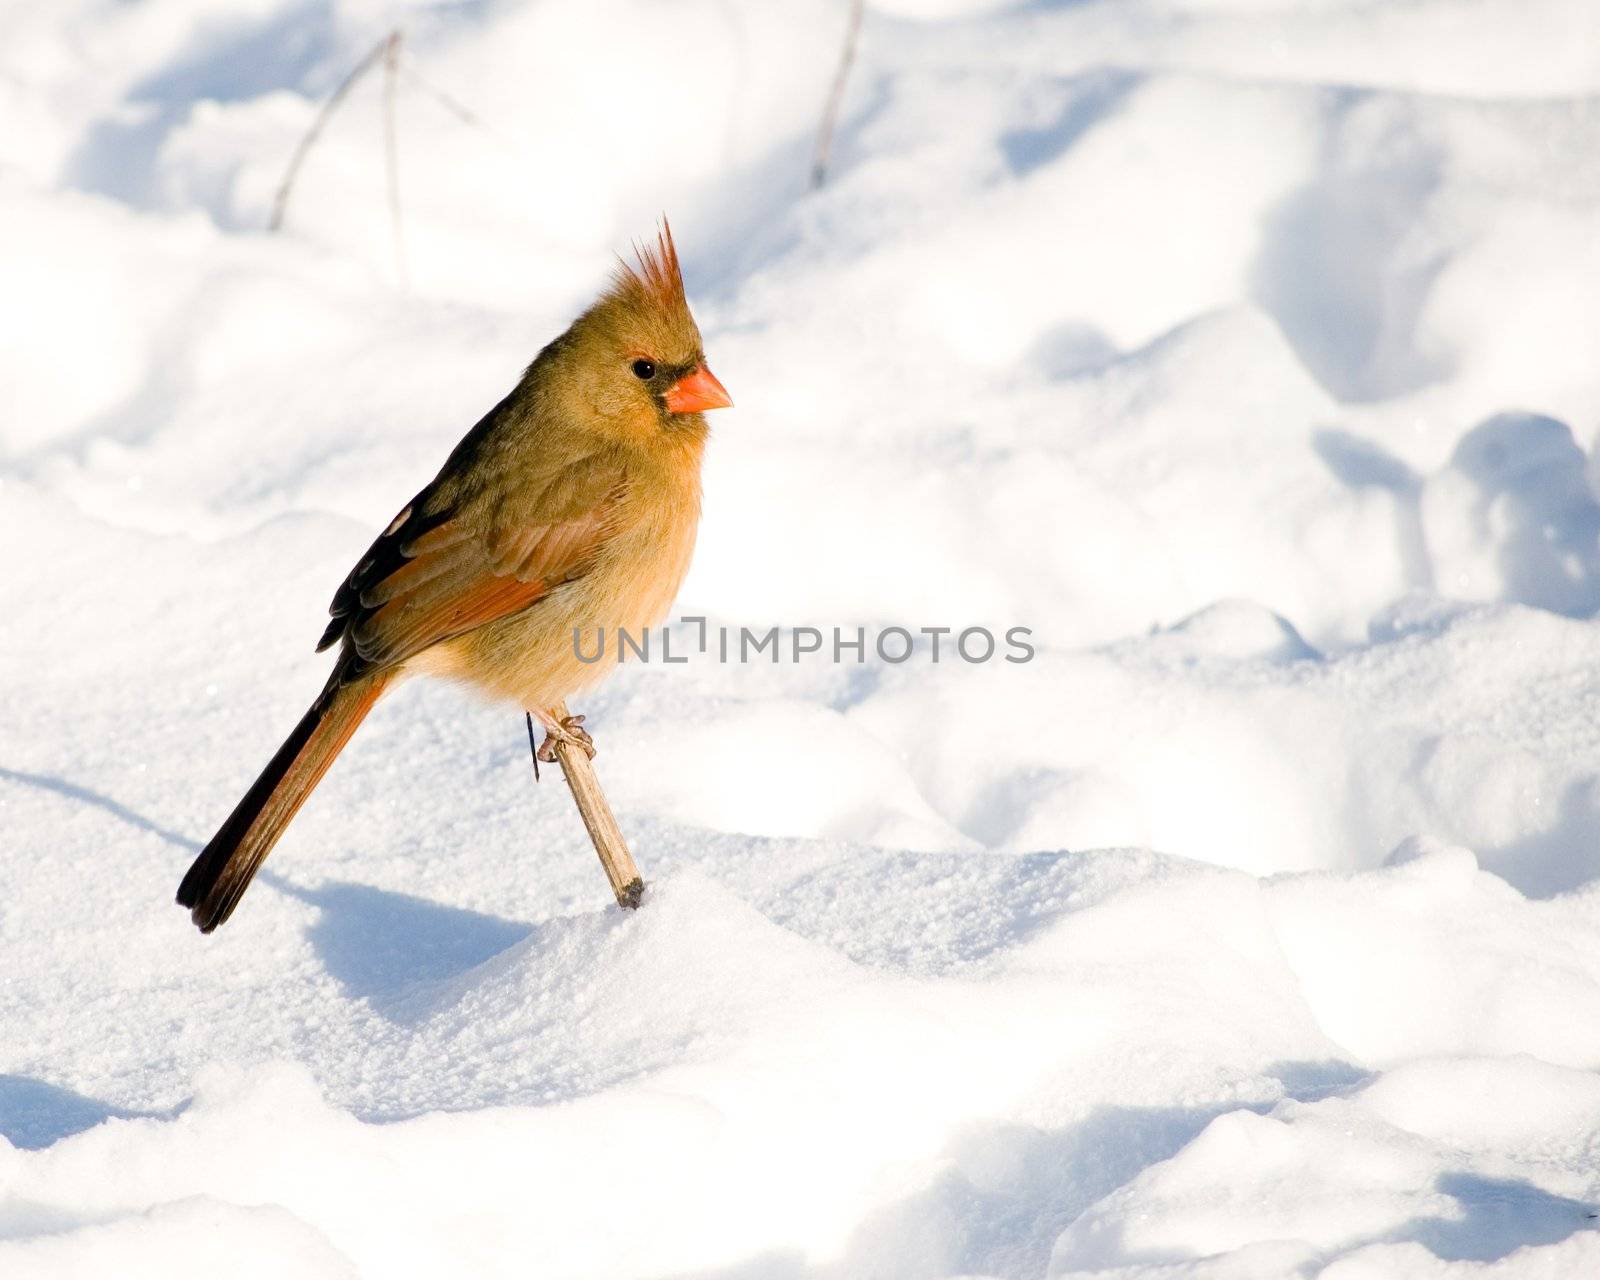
x=569, y=731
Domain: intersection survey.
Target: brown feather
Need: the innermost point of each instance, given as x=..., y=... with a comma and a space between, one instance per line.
x=225, y=867
x=657, y=281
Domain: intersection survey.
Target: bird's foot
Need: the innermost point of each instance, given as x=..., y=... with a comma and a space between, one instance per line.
x=569, y=731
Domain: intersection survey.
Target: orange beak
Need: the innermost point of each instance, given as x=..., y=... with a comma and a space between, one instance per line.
x=697, y=391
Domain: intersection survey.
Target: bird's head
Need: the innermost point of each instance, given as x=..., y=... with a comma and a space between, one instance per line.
x=636, y=354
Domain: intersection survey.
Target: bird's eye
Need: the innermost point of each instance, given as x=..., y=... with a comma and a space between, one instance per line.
x=643, y=370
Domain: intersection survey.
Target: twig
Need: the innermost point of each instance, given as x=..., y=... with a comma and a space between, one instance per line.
x=449, y=102
x=830, y=112
x=455, y=107
x=280, y=203
x=396, y=62
x=391, y=77
x=604, y=832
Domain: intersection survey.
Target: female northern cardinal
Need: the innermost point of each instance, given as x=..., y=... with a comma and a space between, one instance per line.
x=573, y=504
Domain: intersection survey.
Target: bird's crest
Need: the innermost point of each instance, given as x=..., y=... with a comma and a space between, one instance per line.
x=657, y=281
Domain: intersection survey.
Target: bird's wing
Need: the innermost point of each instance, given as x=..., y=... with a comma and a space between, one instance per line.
x=442, y=569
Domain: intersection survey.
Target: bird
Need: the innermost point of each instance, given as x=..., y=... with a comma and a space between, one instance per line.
x=570, y=509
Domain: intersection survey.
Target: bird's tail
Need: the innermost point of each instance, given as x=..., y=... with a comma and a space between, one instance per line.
x=223, y=871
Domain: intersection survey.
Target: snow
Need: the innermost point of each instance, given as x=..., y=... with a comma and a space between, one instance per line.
x=1243, y=352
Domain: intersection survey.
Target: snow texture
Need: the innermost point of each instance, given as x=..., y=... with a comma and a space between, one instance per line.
x=1242, y=349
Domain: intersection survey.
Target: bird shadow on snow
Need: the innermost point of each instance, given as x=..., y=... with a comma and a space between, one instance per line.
x=376, y=944
x=99, y=800
x=373, y=942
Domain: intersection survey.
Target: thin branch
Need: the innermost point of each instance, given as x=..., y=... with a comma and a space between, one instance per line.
x=280, y=203
x=450, y=103
x=391, y=77
x=601, y=823
x=830, y=112
x=463, y=113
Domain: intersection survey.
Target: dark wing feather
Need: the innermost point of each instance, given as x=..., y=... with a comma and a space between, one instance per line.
x=394, y=546
x=437, y=571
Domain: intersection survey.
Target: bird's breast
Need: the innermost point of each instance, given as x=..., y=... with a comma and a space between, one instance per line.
x=533, y=657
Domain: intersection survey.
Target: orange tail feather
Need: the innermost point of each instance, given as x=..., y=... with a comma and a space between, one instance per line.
x=222, y=872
